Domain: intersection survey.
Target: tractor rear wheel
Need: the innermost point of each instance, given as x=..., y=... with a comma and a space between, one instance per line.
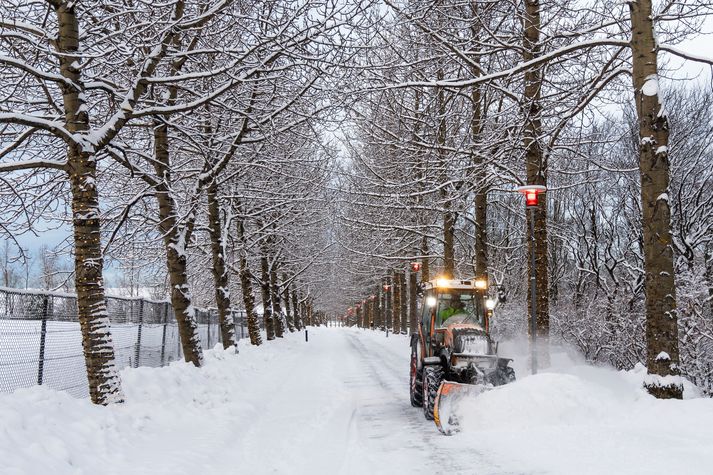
x=432, y=377
x=415, y=381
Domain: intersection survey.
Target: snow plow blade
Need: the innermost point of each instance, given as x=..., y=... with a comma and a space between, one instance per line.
x=449, y=396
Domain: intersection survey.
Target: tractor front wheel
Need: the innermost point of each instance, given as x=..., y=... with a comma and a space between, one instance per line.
x=432, y=377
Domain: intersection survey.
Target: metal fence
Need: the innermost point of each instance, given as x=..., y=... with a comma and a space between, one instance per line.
x=41, y=341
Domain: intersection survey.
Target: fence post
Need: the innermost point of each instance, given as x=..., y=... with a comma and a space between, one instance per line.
x=163, y=338
x=43, y=338
x=137, y=351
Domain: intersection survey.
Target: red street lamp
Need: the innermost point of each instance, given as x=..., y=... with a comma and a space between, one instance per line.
x=415, y=266
x=531, y=192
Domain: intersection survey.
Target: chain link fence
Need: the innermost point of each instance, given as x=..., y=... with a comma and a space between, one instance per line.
x=41, y=341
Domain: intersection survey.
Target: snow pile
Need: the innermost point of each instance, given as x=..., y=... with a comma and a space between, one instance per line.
x=576, y=418
x=46, y=431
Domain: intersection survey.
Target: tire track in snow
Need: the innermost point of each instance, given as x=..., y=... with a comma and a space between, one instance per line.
x=438, y=454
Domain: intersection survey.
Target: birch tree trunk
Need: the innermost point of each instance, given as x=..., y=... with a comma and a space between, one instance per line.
x=219, y=269
x=536, y=168
x=102, y=375
x=661, y=319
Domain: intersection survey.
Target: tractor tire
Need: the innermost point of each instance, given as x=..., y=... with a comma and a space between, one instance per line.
x=432, y=378
x=415, y=381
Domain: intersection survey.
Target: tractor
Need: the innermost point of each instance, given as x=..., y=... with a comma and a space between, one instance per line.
x=452, y=355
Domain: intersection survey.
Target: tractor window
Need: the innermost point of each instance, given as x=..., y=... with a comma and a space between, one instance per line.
x=427, y=308
x=459, y=307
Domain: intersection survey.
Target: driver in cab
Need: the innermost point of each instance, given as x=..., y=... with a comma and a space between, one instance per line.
x=455, y=306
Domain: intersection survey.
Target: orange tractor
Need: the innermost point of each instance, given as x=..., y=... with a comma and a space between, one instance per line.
x=452, y=355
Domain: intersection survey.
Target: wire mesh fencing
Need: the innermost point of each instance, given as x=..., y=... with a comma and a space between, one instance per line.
x=41, y=341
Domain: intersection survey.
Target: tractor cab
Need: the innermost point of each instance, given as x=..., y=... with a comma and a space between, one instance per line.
x=449, y=305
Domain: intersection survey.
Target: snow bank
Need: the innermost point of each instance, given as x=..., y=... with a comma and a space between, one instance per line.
x=339, y=405
x=46, y=431
x=576, y=418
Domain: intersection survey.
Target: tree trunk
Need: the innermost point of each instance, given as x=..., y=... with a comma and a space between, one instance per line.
x=310, y=311
x=378, y=313
x=661, y=319
x=303, y=312
x=709, y=275
x=480, y=178
x=265, y=293
x=220, y=272
x=403, y=309
x=395, y=302
x=412, y=307
x=448, y=220
x=276, y=302
x=536, y=168
x=425, y=268
x=296, y=307
x=246, y=286
x=175, y=238
x=286, y=298
x=103, y=378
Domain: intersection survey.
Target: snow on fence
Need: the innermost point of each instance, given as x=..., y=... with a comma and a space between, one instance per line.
x=41, y=342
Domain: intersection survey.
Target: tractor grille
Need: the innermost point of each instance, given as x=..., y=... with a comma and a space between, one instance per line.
x=472, y=344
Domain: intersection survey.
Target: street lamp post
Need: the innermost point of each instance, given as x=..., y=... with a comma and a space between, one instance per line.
x=531, y=192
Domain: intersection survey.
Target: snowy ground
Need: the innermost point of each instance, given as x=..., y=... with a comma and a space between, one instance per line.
x=339, y=405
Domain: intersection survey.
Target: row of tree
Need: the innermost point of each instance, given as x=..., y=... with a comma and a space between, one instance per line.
x=475, y=98
x=183, y=132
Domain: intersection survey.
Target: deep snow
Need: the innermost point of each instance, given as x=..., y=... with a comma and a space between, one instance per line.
x=339, y=405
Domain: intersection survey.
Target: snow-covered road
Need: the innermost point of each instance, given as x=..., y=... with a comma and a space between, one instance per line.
x=338, y=404
x=342, y=407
